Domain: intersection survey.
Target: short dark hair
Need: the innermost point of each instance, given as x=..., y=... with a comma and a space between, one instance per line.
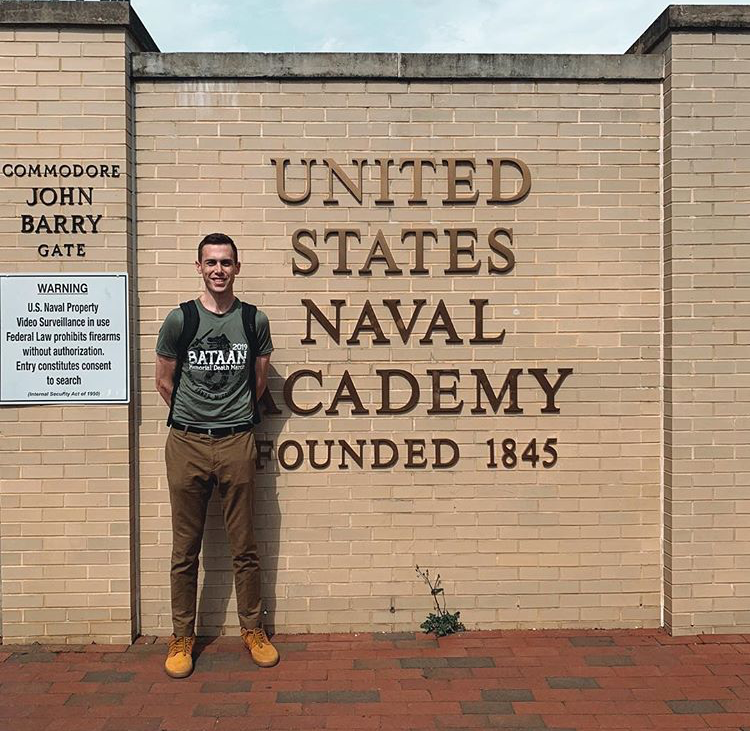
x=219, y=239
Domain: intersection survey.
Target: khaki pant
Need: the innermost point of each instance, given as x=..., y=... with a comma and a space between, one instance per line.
x=195, y=464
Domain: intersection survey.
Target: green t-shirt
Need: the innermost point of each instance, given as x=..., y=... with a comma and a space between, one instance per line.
x=214, y=390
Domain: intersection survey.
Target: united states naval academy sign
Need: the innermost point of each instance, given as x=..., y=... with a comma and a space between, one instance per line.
x=323, y=320
x=92, y=310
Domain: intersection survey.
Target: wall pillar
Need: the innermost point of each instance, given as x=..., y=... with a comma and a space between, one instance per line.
x=706, y=173
x=66, y=560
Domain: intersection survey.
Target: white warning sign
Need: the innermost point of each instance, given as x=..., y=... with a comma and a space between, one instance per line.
x=64, y=338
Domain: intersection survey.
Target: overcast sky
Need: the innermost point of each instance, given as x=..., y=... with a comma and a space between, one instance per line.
x=450, y=26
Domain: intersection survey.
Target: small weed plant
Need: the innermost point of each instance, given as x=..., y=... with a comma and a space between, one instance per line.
x=441, y=622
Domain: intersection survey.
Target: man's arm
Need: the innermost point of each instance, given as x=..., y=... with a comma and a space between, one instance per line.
x=165, y=368
x=262, y=362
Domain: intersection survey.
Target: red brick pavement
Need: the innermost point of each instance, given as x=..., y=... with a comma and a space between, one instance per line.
x=569, y=680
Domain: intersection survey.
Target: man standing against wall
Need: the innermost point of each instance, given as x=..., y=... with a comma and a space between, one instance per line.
x=211, y=367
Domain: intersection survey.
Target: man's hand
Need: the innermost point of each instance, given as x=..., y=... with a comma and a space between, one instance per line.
x=165, y=368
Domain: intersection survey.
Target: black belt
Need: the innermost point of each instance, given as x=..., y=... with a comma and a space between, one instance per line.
x=222, y=431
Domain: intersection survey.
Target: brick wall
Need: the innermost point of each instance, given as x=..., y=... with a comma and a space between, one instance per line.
x=574, y=545
x=64, y=504
x=85, y=534
x=707, y=268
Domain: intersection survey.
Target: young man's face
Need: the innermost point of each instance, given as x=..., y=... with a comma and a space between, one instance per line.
x=218, y=268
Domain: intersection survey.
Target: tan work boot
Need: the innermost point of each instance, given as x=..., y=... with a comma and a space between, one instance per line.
x=261, y=649
x=179, y=662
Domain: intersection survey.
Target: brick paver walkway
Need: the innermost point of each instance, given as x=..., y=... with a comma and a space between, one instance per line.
x=551, y=680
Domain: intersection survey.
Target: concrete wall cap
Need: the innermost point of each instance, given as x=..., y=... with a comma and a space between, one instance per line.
x=404, y=66
x=76, y=14
x=683, y=18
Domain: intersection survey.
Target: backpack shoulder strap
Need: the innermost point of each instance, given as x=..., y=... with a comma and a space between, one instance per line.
x=190, y=322
x=248, y=322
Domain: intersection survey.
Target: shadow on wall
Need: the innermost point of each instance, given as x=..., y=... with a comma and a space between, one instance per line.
x=217, y=605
